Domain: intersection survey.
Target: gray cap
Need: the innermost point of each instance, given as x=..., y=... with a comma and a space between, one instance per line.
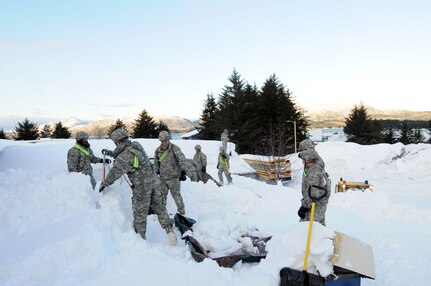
x=164, y=135
x=221, y=148
x=81, y=135
x=198, y=147
x=306, y=144
x=309, y=154
x=119, y=134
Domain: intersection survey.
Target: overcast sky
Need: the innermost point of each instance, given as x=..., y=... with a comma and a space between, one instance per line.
x=92, y=59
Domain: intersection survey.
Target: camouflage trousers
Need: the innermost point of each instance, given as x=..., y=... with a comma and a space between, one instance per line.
x=93, y=181
x=142, y=198
x=319, y=213
x=224, y=170
x=174, y=186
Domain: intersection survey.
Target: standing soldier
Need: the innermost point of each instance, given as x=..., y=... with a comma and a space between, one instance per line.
x=201, y=161
x=80, y=156
x=314, y=187
x=223, y=166
x=170, y=163
x=131, y=159
x=224, y=139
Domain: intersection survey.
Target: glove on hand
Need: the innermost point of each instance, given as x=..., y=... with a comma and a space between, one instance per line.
x=105, y=151
x=303, y=211
x=158, y=172
x=218, y=165
x=101, y=189
x=183, y=176
x=204, y=169
x=107, y=161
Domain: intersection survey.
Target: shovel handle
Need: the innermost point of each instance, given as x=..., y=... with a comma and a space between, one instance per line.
x=310, y=229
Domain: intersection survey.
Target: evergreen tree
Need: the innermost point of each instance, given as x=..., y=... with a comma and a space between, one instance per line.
x=46, y=131
x=144, y=126
x=417, y=136
x=276, y=113
x=406, y=133
x=208, y=129
x=26, y=131
x=2, y=134
x=60, y=131
x=429, y=131
x=360, y=128
x=117, y=125
x=162, y=126
x=389, y=136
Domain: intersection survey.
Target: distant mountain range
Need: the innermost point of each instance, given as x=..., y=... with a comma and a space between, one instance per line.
x=321, y=119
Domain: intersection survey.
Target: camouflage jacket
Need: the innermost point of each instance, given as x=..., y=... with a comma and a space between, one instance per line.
x=314, y=183
x=170, y=162
x=79, y=159
x=200, y=159
x=131, y=159
x=224, y=137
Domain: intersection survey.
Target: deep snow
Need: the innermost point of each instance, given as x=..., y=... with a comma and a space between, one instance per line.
x=51, y=233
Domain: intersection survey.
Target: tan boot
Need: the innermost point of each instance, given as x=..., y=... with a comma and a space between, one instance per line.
x=172, y=238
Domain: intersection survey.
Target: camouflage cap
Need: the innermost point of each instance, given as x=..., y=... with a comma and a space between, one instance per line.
x=198, y=147
x=164, y=135
x=309, y=154
x=119, y=134
x=81, y=135
x=306, y=144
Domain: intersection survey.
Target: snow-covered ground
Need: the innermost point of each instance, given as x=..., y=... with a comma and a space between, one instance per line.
x=52, y=234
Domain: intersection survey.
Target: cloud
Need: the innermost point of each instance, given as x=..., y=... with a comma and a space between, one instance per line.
x=122, y=105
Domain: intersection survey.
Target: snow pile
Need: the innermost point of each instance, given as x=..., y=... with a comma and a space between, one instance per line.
x=52, y=234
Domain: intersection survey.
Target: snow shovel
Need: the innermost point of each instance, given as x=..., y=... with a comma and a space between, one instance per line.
x=293, y=277
x=206, y=177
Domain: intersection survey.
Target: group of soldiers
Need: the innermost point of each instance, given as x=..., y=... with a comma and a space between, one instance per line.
x=150, y=183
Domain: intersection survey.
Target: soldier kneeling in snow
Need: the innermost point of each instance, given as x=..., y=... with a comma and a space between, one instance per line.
x=131, y=159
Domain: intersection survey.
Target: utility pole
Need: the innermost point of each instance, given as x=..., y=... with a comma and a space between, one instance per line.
x=294, y=132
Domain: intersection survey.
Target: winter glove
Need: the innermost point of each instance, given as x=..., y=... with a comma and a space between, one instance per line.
x=204, y=169
x=183, y=176
x=218, y=165
x=107, y=161
x=158, y=172
x=303, y=211
x=105, y=151
x=101, y=189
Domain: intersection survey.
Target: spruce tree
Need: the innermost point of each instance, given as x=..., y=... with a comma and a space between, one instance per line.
x=144, y=126
x=162, y=126
x=389, y=136
x=417, y=136
x=2, y=134
x=276, y=113
x=117, y=125
x=360, y=128
x=406, y=133
x=60, y=131
x=208, y=127
x=26, y=130
x=46, y=131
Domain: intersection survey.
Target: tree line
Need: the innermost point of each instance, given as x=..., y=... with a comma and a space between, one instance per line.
x=143, y=127
x=361, y=128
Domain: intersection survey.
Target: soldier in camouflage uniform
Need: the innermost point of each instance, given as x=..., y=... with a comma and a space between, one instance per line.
x=80, y=157
x=131, y=159
x=224, y=138
x=223, y=166
x=314, y=188
x=171, y=164
x=200, y=160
